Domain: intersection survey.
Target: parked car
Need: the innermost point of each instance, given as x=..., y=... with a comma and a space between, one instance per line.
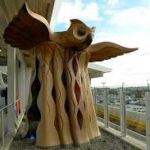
x=3, y=89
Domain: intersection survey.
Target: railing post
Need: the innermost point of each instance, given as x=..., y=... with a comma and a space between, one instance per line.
x=147, y=96
x=12, y=81
x=122, y=113
x=95, y=93
x=94, y=96
x=106, y=115
x=3, y=130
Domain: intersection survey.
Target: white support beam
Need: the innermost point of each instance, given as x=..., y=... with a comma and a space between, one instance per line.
x=122, y=113
x=147, y=96
x=11, y=60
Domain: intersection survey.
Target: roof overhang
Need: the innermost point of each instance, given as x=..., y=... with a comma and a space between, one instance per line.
x=96, y=70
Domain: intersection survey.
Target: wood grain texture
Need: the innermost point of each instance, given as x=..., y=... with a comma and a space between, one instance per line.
x=90, y=115
x=65, y=117
x=27, y=30
x=106, y=50
x=63, y=97
x=47, y=134
x=76, y=109
x=63, y=120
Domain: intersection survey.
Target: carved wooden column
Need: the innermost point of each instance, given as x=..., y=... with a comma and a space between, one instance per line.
x=62, y=121
x=60, y=100
x=46, y=134
x=75, y=98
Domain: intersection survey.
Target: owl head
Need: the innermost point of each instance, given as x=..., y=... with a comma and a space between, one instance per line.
x=81, y=32
x=78, y=36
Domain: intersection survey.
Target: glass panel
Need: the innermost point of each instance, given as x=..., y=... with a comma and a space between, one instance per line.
x=4, y=77
x=99, y=102
x=114, y=105
x=135, y=109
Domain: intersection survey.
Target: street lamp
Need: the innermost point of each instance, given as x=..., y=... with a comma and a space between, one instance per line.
x=103, y=83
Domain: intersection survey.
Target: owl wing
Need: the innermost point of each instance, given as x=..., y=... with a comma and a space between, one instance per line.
x=106, y=50
x=27, y=29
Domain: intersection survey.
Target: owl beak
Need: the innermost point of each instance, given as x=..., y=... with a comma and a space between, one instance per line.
x=89, y=39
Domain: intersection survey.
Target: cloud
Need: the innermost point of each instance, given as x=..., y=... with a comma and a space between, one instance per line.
x=112, y=80
x=130, y=68
x=113, y=2
x=135, y=17
x=78, y=9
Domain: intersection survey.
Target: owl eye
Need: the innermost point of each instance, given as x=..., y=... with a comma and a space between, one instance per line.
x=81, y=32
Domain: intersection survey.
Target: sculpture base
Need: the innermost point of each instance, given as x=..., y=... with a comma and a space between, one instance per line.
x=106, y=142
x=29, y=144
x=71, y=146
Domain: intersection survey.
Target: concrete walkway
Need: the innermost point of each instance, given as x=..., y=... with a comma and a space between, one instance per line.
x=106, y=142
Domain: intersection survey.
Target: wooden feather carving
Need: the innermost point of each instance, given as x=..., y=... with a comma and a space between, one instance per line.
x=27, y=30
x=106, y=50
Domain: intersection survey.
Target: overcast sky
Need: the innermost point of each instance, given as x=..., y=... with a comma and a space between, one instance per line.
x=126, y=22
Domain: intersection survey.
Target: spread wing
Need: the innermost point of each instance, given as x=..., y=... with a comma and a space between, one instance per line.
x=106, y=50
x=26, y=30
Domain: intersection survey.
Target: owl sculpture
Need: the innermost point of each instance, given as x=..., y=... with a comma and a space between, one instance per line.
x=60, y=100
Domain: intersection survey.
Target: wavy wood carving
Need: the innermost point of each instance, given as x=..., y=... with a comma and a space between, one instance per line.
x=60, y=88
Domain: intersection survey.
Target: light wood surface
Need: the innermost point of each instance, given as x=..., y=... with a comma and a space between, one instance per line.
x=60, y=99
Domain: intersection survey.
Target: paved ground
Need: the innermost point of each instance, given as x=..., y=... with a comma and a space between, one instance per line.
x=106, y=142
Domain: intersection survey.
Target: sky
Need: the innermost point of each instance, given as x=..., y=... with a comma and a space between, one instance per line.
x=125, y=22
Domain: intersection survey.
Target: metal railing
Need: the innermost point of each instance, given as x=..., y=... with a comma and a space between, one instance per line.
x=123, y=126
x=2, y=112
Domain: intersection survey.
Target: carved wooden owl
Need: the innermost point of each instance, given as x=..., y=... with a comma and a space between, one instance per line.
x=61, y=100
x=78, y=36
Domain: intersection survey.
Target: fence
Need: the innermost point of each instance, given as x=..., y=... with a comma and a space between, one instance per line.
x=123, y=117
x=4, y=117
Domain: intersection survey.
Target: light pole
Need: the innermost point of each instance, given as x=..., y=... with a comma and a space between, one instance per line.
x=147, y=85
x=122, y=112
x=103, y=83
